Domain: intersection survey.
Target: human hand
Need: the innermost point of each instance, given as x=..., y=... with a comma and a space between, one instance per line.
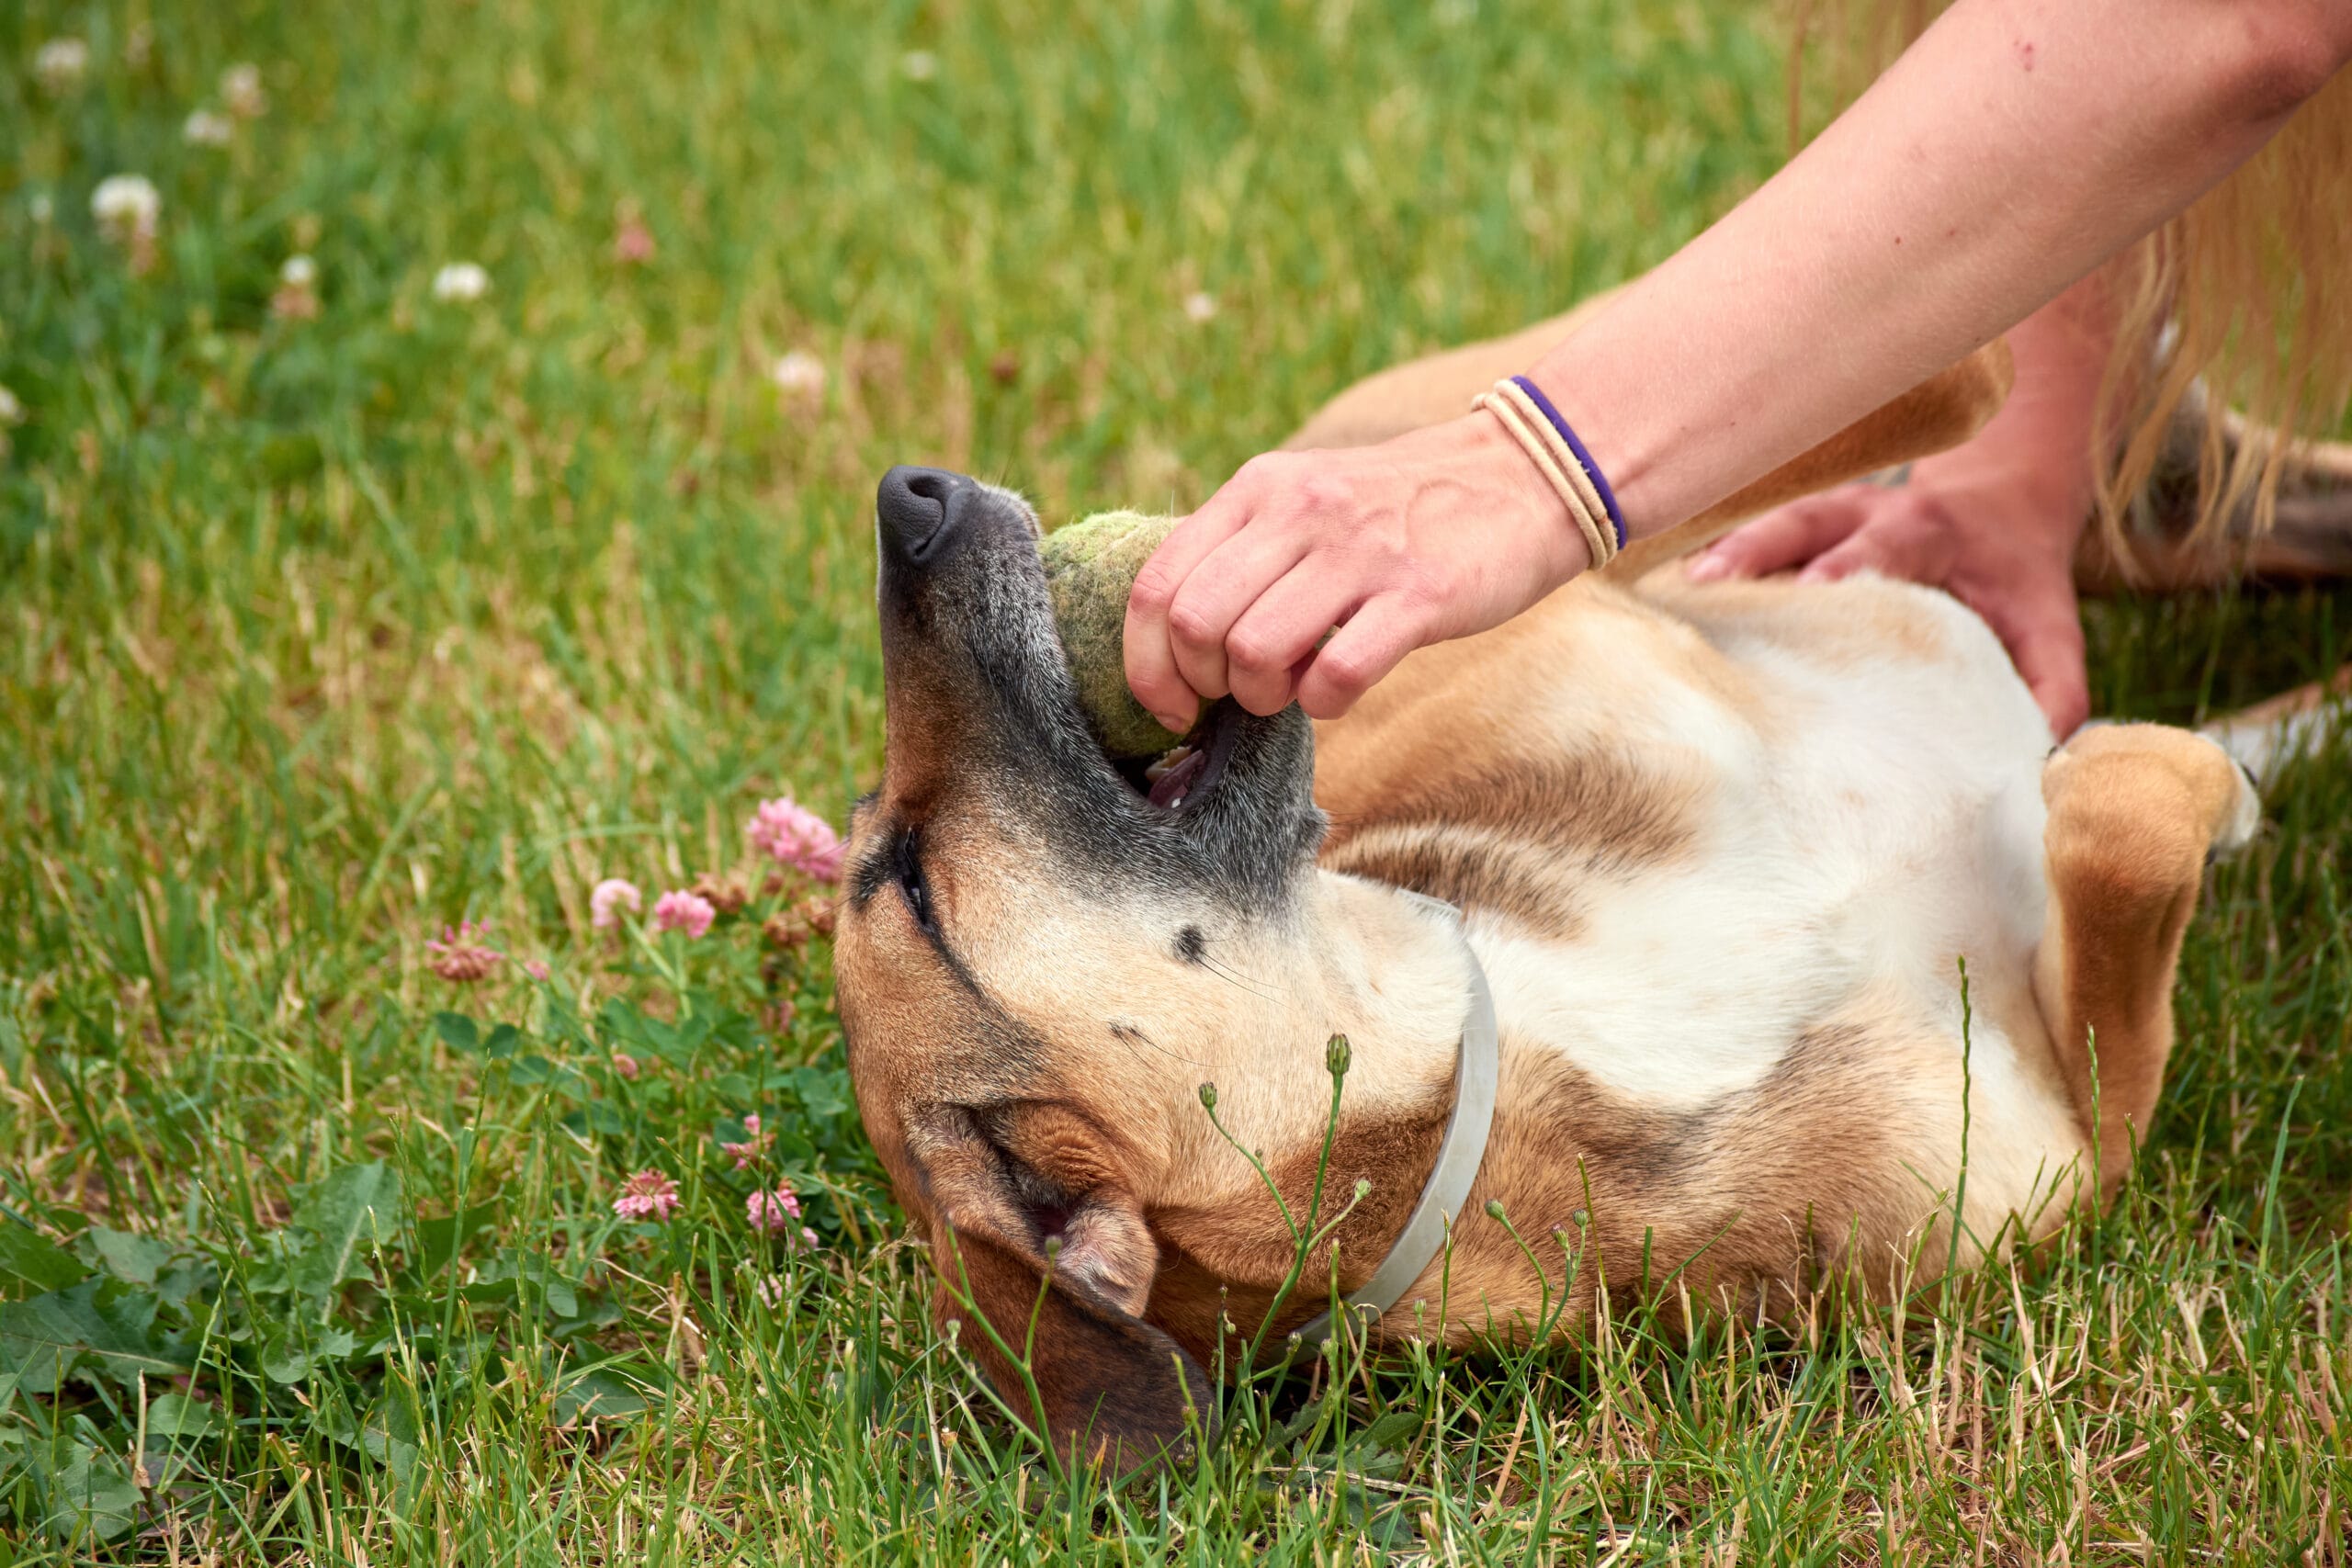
x=2000, y=542
x=1437, y=534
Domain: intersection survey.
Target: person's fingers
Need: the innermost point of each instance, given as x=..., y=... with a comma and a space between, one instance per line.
x=1786, y=537
x=1220, y=591
x=1149, y=654
x=1268, y=646
x=1363, y=650
x=1911, y=545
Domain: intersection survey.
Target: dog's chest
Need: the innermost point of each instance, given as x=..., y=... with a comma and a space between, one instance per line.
x=1852, y=819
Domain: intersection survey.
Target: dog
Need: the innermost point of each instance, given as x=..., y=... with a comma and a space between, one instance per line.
x=1781, y=894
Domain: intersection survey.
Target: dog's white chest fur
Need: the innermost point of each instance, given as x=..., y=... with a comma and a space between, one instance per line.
x=1871, y=823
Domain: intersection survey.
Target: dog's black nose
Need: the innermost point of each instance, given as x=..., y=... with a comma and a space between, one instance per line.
x=919, y=508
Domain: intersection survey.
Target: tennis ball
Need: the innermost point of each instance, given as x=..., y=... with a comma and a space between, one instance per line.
x=1091, y=565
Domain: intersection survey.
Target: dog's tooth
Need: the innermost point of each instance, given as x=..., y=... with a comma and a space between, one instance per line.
x=1167, y=760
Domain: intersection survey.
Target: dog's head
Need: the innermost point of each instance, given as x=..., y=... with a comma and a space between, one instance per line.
x=1040, y=957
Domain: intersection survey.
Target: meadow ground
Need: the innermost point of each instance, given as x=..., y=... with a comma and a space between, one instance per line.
x=334, y=612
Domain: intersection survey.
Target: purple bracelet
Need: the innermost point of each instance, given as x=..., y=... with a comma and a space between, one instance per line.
x=1591, y=468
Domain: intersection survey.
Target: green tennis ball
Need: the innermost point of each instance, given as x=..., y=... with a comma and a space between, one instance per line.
x=1090, y=566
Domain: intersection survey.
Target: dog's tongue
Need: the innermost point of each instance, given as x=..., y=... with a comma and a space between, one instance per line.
x=1170, y=787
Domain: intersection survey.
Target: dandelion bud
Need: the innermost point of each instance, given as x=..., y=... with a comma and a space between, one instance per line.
x=1364, y=1185
x=1337, y=1055
x=1494, y=1211
x=1209, y=1097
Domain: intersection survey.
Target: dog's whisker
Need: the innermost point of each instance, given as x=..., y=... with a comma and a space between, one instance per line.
x=1127, y=1034
x=1255, y=987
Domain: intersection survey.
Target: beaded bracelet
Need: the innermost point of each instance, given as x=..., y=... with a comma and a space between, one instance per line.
x=1530, y=420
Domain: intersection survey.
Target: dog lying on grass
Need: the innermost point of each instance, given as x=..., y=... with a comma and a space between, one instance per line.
x=1759, y=876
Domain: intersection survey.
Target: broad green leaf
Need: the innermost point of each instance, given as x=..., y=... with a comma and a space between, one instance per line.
x=33, y=1261
x=439, y=1241
x=598, y=1117
x=392, y=1433
x=824, y=1091
x=91, y=1498
x=491, y=1292
x=134, y=1258
x=459, y=1031
x=331, y=1418
x=285, y=1360
x=1390, y=1431
x=601, y=1391
x=502, y=1041
x=349, y=1212
x=177, y=1415
x=106, y=1324
x=537, y=1069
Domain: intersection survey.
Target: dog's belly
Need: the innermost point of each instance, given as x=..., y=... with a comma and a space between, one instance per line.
x=1853, y=775
x=1878, y=822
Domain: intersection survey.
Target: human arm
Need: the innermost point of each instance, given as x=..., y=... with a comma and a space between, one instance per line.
x=1993, y=521
x=2016, y=146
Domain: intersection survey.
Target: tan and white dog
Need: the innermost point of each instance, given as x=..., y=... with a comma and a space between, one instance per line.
x=1721, y=852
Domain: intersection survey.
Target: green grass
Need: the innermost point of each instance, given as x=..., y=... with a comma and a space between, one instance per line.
x=318, y=636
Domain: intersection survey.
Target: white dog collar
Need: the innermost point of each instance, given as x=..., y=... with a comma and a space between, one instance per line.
x=1477, y=1064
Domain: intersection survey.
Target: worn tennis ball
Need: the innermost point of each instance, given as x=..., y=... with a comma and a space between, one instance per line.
x=1091, y=565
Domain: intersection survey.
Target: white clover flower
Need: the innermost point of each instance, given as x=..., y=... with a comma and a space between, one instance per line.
x=919, y=65
x=297, y=298
x=460, y=283
x=1200, y=307
x=241, y=90
x=126, y=207
x=42, y=210
x=61, y=63
x=12, y=409
x=208, y=127
x=799, y=374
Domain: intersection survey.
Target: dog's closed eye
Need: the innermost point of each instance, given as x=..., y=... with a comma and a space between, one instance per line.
x=908, y=868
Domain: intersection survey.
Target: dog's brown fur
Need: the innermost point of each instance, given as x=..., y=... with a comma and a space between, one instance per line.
x=1037, y=968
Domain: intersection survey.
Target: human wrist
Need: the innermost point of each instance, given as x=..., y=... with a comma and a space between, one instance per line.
x=1510, y=486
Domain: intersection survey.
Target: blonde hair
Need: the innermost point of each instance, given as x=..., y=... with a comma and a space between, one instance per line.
x=2233, y=321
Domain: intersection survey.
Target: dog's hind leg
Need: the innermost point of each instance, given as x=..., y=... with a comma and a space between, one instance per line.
x=2136, y=811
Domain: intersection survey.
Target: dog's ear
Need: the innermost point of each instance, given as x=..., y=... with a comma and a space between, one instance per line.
x=1035, y=1235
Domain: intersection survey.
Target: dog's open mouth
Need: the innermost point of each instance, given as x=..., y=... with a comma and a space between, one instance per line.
x=1186, y=770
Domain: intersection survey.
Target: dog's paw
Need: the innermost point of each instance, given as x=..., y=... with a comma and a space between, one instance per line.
x=2242, y=818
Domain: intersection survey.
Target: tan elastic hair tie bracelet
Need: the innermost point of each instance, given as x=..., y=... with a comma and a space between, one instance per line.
x=1541, y=435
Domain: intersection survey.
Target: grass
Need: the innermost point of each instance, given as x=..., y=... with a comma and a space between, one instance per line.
x=318, y=636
